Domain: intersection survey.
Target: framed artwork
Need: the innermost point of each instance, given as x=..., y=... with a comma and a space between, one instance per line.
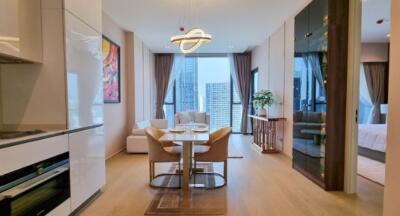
x=111, y=71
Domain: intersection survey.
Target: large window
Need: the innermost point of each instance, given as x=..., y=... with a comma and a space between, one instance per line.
x=204, y=84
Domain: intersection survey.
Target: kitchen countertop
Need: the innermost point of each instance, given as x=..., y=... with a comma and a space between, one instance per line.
x=4, y=143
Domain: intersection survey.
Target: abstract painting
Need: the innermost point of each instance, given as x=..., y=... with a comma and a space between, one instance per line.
x=111, y=71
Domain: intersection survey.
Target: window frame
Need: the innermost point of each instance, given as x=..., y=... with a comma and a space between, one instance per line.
x=232, y=103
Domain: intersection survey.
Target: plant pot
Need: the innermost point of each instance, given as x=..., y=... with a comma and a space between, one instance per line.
x=262, y=112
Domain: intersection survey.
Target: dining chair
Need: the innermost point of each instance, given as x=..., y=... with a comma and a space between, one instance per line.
x=217, y=150
x=159, y=152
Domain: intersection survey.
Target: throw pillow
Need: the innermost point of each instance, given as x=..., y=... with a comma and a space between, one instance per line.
x=200, y=117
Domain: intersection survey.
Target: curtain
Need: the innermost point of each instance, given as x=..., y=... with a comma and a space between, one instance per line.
x=242, y=69
x=375, y=77
x=365, y=100
x=163, y=68
x=315, y=60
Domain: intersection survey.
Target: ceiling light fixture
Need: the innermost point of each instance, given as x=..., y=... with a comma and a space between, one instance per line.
x=192, y=40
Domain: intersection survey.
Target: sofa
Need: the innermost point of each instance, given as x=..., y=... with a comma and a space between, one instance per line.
x=199, y=118
x=307, y=120
x=136, y=142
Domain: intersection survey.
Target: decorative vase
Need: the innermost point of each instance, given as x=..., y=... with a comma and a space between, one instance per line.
x=262, y=112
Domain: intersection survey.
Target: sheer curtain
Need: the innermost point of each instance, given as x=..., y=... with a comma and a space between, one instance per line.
x=315, y=60
x=365, y=99
x=178, y=65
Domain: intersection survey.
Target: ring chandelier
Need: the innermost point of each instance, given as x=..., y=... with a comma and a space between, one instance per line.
x=192, y=40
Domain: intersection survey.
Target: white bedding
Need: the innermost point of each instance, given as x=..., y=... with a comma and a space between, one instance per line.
x=372, y=136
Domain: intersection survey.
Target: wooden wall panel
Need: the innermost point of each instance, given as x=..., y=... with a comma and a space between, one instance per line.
x=337, y=79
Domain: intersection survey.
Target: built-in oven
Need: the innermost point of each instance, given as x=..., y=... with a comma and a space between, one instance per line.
x=36, y=189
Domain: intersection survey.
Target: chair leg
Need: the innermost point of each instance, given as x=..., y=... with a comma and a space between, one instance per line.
x=150, y=171
x=153, y=170
x=226, y=171
x=179, y=174
x=194, y=173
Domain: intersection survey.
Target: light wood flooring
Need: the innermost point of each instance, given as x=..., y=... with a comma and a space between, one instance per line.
x=257, y=185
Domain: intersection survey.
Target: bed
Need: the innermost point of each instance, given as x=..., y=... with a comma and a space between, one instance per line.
x=372, y=141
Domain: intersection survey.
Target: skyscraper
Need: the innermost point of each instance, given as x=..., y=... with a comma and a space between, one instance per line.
x=218, y=104
x=186, y=86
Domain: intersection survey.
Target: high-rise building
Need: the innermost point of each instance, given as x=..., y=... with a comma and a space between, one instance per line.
x=218, y=104
x=186, y=86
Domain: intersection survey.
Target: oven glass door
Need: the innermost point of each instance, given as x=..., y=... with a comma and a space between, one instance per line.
x=39, y=199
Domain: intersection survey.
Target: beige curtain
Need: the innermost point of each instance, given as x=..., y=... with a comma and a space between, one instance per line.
x=242, y=68
x=163, y=68
x=375, y=77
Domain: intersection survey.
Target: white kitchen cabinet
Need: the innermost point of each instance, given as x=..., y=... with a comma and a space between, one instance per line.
x=84, y=73
x=62, y=210
x=87, y=164
x=19, y=156
x=90, y=11
x=20, y=29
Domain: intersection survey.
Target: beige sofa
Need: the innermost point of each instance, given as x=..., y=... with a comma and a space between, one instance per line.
x=307, y=120
x=199, y=118
x=136, y=142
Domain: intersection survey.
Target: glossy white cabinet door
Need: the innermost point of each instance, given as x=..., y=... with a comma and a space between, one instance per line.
x=90, y=11
x=84, y=73
x=87, y=164
x=20, y=29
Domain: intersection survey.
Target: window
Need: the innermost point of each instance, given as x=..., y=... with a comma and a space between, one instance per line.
x=254, y=88
x=308, y=94
x=204, y=84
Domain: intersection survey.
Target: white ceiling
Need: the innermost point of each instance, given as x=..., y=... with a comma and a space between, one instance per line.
x=372, y=11
x=236, y=25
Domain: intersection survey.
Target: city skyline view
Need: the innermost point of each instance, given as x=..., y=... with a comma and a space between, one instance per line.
x=203, y=84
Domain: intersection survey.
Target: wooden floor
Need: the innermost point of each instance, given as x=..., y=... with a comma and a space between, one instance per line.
x=257, y=185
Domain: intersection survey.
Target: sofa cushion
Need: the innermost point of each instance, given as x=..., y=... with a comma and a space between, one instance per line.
x=311, y=117
x=138, y=132
x=185, y=117
x=200, y=117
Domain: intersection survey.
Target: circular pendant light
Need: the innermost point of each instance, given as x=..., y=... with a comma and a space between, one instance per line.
x=192, y=40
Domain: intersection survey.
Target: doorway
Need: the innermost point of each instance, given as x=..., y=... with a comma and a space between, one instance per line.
x=369, y=43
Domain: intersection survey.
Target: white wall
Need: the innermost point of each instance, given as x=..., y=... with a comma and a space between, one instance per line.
x=274, y=59
x=288, y=86
x=374, y=52
x=115, y=115
x=276, y=75
x=259, y=59
x=392, y=187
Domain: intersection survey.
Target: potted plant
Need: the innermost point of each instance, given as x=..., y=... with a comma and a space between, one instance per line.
x=262, y=98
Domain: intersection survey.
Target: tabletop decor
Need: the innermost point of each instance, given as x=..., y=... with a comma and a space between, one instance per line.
x=262, y=98
x=111, y=71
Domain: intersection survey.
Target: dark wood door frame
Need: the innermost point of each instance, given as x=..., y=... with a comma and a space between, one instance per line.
x=338, y=28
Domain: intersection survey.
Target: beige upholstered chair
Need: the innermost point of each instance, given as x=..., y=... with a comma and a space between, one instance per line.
x=218, y=149
x=160, y=152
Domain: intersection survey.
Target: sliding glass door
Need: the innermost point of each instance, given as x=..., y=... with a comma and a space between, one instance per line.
x=204, y=84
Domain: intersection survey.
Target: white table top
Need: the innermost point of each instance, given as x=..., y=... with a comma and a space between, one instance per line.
x=185, y=137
